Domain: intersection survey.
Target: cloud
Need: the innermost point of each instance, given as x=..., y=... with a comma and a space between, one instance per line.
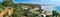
x=48, y=8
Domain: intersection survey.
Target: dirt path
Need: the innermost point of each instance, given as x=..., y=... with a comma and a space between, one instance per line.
x=3, y=12
x=10, y=11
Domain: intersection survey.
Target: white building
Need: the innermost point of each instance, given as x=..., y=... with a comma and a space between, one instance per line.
x=44, y=13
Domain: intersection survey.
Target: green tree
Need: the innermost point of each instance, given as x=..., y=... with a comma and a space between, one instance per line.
x=1, y=7
x=8, y=3
x=48, y=15
x=54, y=13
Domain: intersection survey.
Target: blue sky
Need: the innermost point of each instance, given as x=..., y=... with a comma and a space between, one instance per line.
x=54, y=3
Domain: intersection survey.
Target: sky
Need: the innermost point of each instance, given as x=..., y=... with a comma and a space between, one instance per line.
x=46, y=4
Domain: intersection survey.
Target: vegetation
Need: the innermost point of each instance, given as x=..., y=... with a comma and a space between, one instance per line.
x=55, y=13
x=20, y=11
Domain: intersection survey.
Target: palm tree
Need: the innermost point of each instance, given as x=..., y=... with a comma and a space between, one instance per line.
x=55, y=13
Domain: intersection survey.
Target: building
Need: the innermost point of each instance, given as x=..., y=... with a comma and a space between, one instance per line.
x=44, y=13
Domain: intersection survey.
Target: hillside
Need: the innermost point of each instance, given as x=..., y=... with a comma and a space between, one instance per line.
x=20, y=10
